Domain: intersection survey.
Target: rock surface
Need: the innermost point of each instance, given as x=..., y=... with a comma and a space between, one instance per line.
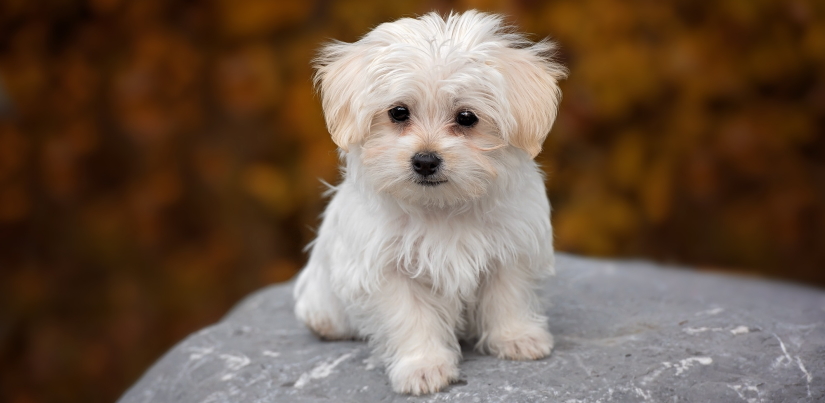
x=625, y=332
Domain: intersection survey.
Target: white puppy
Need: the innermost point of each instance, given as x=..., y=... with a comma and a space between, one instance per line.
x=441, y=228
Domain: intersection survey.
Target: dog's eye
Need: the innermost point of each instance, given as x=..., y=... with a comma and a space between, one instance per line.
x=466, y=118
x=399, y=114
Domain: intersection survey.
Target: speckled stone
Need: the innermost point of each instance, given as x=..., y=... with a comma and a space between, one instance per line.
x=625, y=332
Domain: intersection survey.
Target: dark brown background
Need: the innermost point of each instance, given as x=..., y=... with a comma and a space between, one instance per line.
x=160, y=159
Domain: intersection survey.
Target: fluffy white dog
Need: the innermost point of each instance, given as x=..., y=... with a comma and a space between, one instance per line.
x=441, y=228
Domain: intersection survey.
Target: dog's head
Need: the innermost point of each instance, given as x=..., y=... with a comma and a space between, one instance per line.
x=432, y=105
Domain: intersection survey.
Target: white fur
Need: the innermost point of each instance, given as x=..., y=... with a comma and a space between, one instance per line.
x=414, y=268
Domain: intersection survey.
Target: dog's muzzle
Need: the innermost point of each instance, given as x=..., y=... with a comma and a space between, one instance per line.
x=426, y=164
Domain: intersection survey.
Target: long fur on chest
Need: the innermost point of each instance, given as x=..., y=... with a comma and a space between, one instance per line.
x=449, y=250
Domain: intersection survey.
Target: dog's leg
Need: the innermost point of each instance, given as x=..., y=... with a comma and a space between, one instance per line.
x=508, y=317
x=320, y=309
x=413, y=330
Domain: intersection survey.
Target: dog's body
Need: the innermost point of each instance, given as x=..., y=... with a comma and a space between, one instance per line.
x=441, y=227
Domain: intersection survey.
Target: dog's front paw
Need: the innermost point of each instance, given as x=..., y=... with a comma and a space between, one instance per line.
x=530, y=345
x=418, y=376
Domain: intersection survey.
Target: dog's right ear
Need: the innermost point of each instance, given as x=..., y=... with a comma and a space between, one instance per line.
x=340, y=79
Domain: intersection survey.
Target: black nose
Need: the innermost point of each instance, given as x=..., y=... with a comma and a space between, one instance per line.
x=425, y=164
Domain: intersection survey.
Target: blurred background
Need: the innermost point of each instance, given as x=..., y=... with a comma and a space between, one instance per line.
x=159, y=159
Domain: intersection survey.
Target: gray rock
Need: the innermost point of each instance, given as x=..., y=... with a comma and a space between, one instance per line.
x=625, y=332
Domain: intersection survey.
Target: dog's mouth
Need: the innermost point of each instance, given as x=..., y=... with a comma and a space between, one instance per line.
x=432, y=183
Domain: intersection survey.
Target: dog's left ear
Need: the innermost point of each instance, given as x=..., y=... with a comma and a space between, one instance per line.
x=533, y=93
